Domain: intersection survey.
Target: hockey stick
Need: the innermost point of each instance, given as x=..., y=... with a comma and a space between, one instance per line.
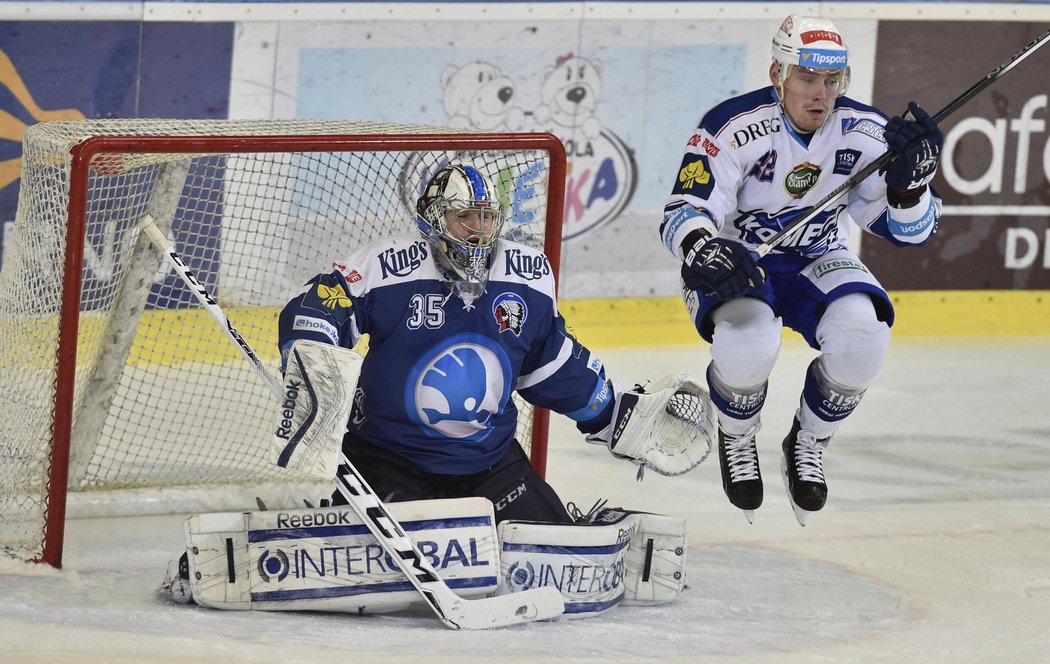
x=888, y=156
x=454, y=611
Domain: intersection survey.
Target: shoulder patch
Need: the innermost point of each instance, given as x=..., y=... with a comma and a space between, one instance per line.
x=333, y=297
x=695, y=177
x=510, y=312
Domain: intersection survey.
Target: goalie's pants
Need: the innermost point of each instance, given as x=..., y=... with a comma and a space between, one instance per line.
x=517, y=492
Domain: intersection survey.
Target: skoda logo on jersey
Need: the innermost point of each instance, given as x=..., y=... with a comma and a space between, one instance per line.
x=801, y=179
x=273, y=565
x=456, y=387
x=510, y=312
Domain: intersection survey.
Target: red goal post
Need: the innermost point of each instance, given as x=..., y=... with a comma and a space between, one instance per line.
x=121, y=382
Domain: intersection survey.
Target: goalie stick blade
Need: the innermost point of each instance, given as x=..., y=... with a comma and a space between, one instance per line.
x=505, y=610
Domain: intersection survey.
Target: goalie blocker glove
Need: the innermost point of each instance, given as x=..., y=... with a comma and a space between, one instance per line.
x=665, y=429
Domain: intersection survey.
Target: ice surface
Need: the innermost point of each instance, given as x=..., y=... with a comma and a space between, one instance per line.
x=934, y=546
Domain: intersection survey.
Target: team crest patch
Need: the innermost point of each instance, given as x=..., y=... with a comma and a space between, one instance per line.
x=801, y=179
x=695, y=178
x=510, y=312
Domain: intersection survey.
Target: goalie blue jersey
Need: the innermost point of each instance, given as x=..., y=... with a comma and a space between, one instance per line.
x=437, y=377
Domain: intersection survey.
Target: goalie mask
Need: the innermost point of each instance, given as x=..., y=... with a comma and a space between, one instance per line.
x=461, y=216
x=813, y=44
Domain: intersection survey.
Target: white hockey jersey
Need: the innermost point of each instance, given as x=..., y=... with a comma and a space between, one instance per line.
x=746, y=173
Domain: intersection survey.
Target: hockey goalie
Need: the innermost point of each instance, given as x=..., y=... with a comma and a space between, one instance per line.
x=326, y=558
x=419, y=438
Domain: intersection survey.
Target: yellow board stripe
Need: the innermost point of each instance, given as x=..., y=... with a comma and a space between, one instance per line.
x=662, y=321
x=192, y=335
x=620, y=322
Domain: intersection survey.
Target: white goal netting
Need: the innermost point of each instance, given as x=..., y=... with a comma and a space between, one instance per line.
x=158, y=396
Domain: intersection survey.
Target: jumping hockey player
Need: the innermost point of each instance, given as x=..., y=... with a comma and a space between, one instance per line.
x=456, y=319
x=753, y=164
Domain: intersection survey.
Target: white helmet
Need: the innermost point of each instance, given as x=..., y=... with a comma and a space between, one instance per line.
x=813, y=43
x=461, y=188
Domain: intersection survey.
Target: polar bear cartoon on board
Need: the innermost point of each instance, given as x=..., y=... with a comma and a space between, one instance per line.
x=569, y=95
x=479, y=95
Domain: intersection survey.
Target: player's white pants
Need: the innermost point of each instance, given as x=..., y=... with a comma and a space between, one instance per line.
x=853, y=343
x=747, y=338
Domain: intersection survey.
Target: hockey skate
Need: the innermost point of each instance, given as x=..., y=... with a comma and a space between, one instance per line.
x=741, y=478
x=803, y=471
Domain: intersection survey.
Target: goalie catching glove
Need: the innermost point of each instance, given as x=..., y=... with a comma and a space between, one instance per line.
x=665, y=428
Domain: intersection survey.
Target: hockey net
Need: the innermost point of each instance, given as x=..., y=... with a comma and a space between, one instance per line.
x=116, y=378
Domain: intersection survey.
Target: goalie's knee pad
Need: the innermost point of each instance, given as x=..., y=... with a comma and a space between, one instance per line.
x=655, y=570
x=584, y=562
x=617, y=557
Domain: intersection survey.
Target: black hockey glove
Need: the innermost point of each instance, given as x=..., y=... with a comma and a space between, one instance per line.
x=918, y=146
x=716, y=266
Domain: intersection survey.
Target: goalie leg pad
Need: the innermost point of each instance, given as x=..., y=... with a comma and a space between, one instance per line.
x=327, y=560
x=584, y=562
x=655, y=566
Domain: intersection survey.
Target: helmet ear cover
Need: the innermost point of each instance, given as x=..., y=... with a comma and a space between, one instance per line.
x=457, y=189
